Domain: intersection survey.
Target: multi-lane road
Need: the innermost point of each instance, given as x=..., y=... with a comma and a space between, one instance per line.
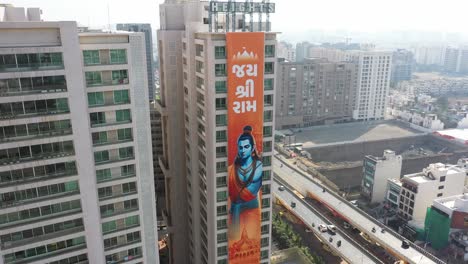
x=349, y=249
x=389, y=240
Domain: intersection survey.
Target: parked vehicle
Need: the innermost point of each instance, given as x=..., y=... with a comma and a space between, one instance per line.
x=281, y=188
x=331, y=229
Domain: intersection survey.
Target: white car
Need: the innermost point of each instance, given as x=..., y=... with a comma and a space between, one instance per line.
x=322, y=228
x=331, y=229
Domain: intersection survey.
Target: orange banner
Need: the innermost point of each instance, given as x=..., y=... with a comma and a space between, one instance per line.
x=245, y=63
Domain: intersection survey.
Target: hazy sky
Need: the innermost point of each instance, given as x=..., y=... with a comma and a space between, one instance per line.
x=291, y=15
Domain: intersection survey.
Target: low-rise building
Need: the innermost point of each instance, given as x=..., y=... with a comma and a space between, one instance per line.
x=420, y=189
x=376, y=172
x=392, y=197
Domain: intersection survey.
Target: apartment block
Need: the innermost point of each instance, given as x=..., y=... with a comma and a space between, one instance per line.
x=420, y=189
x=76, y=179
x=194, y=107
x=314, y=92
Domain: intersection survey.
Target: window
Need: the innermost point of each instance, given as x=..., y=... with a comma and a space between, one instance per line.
x=221, y=166
x=220, y=52
x=93, y=78
x=95, y=99
x=268, y=99
x=222, y=251
x=221, y=152
x=266, y=175
x=124, y=134
x=221, y=224
x=118, y=56
x=439, y=194
x=221, y=136
x=266, y=189
x=268, y=116
x=102, y=175
x=91, y=57
x=221, y=120
x=125, y=153
x=265, y=216
x=442, y=178
x=267, y=131
x=268, y=84
x=129, y=187
x=441, y=187
x=221, y=196
x=269, y=68
x=220, y=69
x=221, y=210
x=121, y=97
x=99, y=138
x=269, y=51
x=267, y=146
x=220, y=87
x=220, y=103
x=132, y=221
x=221, y=237
x=123, y=115
x=97, y=118
x=221, y=181
x=119, y=77
x=265, y=229
x=101, y=156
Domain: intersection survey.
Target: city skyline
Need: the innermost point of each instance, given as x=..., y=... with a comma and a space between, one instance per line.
x=350, y=16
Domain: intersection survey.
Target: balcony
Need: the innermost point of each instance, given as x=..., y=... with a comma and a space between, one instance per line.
x=117, y=194
x=116, y=159
x=122, y=244
x=65, y=173
x=24, y=242
x=30, y=67
x=7, y=204
x=59, y=88
x=54, y=133
x=13, y=160
x=46, y=256
x=120, y=81
x=113, y=123
x=14, y=115
x=117, y=212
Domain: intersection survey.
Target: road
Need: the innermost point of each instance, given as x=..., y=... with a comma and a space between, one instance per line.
x=391, y=241
x=349, y=250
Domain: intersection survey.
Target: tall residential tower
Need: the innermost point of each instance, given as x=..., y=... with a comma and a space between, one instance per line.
x=76, y=179
x=196, y=105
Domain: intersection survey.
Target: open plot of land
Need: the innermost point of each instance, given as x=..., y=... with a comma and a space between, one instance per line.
x=351, y=132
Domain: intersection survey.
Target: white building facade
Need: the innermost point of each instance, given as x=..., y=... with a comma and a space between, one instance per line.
x=376, y=172
x=65, y=99
x=419, y=190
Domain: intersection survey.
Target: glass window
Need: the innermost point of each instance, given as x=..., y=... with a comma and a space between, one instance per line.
x=97, y=118
x=268, y=84
x=121, y=97
x=125, y=153
x=91, y=57
x=221, y=196
x=101, y=156
x=220, y=87
x=123, y=115
x=220, y=52
x=93, y=78
x=95, y=99
x=99, y=138
x=119, y=77
x=220, y=103
x=118, y=56
x=269, y=68
x=269, y=50
x=221, y=120
x=124, y=134
x=103, y=175
x=221, y=136
x=220, y=69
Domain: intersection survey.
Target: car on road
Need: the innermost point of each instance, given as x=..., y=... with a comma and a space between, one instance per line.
x=322, y=228
x=281, y=188
x=346, y=225
x=405, y=244
x=331, y=229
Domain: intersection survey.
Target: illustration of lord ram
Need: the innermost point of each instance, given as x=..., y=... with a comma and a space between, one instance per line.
x=245, y=181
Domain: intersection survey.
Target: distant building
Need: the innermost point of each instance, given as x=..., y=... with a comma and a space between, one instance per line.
x=286, y=51
x=420, y=189
x=376, y=172
x=314, y=92
x=145, y=28
x=402, y=66
x=331, y=54
x=302, y=51
x=429, y=55
x=456, y=60
x=373, y=82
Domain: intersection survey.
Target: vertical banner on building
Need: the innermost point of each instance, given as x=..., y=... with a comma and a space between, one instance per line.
x=245, y=62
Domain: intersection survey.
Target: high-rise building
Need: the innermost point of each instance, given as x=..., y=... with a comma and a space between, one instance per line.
x=420, y=189
x=302, y=50
x=196, y=106
x=402, y=66
x=456, y=60
x=145, y=28
x=286, y=51
x=373, y=82
x=376, y=172
x=76, y=177
x=314, y=92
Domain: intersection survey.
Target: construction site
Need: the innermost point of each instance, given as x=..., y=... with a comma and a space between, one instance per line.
x=335, y=153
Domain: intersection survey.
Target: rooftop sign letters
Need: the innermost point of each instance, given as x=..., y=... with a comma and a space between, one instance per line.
x=242, y=7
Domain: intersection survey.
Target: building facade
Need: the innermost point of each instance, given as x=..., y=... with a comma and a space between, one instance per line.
x=420, y=189
x=314, y=92
x=402, y=66
x=373, y=82
x=193, y=70
x=376, y=172
x=145, y=28
x=67, y=98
